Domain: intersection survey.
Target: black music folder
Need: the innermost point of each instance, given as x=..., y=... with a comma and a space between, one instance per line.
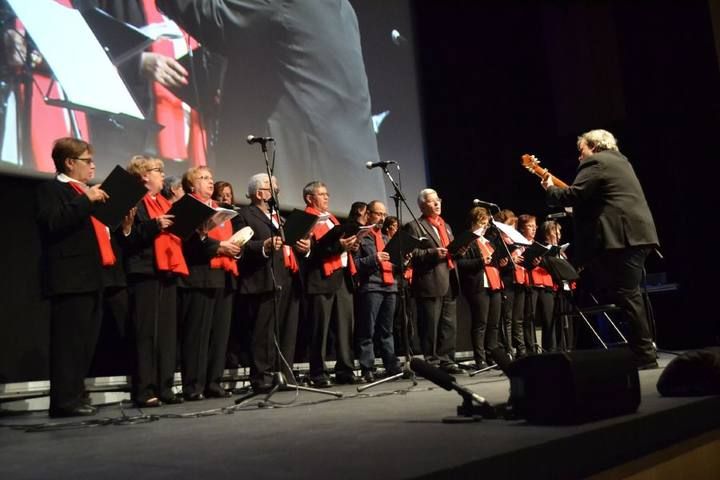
x=125, y=191
x=532, y=252
x=190, y=213
x=120, y=40
x=298, y=225
x=339, y=231
x=206, y=74
x=400, y=245
x=462, y=240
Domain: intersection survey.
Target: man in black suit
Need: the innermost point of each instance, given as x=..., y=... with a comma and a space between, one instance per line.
x=614, y=231
x=269, y=285
x=76, y=248
x=435, y=284
x=328, y=271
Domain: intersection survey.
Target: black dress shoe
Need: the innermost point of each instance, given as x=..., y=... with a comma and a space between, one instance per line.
x=651, y=365
x=260, y=387
x=174, y=400
x=193, y=397
x=217, y=393
x=320, y=381
x=348, y=379
x=452, y=369
x=481, y=365
x=82, y=410
x=368, y=376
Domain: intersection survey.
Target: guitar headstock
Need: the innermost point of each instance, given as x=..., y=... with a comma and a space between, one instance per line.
x=532, y=164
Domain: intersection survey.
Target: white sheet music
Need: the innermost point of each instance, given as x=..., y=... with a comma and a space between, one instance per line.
x=62, y=36
x=511, y=232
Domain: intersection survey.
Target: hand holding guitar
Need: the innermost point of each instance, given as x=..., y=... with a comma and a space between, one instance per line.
x=532, y=164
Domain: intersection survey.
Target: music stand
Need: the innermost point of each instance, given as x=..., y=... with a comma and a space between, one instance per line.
x=103, y=92
x=279, y=382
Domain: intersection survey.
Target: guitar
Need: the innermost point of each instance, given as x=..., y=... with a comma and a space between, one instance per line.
x=533, y=166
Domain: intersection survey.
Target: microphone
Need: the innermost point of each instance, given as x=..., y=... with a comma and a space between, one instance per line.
x=383, y=164
x=397, y=38
x=481, y=203
x=444, y=380
x=253, y=139
x=556, y=215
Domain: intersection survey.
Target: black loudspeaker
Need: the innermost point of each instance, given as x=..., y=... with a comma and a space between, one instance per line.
x=575, y=387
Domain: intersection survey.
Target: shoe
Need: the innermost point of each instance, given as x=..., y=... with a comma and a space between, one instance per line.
x=320, y=381
x=217, y=393
x=262, y=387
x=151, y=402
x=481, y=365
x=174, y=400
x=348, y=379
x=393, y=371
x=368, y=376
x=648, y=366
x=81, y=410
x=452, y=369
x=193, y=397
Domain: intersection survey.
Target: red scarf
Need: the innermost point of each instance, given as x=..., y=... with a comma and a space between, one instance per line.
x=386, y=267
x=220, y=233
x=492, y=273
x=521, y=275
x=168, y=247
x=541, y=277
x=107, y=256
x=439, y=225
x=289, y=259
x=332, y=263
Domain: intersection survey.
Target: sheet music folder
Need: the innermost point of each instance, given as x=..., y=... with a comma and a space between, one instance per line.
x=298, y=225
x=400, y=245
x=121, y=40
x=190, y=213
x=207, y=71
x=125, y=191
x=461, y=241
x=532, y=252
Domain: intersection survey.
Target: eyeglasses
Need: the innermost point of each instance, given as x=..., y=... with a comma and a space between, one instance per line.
x=87, y=160
x=379, y=214
x=323, y=194
x=205, y=177
x=157, y=169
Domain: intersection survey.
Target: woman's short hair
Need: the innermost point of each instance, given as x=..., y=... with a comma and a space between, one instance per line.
x=68, y=147
x=191, y=175
x=141, y=164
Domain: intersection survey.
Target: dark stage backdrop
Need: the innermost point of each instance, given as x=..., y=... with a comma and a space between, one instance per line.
x=498, y=80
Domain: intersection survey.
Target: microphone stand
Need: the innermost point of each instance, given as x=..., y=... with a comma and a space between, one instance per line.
x=407, y=372
x=279, y=381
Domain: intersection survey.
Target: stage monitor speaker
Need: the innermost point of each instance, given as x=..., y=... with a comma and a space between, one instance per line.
x=575, y=387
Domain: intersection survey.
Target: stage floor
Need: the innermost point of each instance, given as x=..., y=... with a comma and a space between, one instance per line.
x=393, y=430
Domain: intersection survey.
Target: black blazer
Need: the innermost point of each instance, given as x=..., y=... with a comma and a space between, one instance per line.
x=256, y=270
x=431, y=275
x=139, y=246
x=71, y=256
x=311, y=266
x=198, y=253
x=472, y=270
x=609, y=206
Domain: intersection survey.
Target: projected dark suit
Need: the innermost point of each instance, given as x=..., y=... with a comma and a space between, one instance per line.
x=614, y=232
x=296, y=71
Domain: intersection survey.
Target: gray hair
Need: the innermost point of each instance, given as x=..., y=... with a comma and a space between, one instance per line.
x=310, y=188
x=424, y=193
x=598, y=140
x=256, y=183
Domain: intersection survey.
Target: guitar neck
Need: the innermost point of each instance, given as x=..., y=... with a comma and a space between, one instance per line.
x=532, y=164
x=556, y=181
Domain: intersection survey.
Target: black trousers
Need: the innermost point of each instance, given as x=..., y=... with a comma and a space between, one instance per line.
x=544, y=306
x=485, y=306
x=326, y=311
x=517, y=293
x=205, y=315
x=154, y=318
x=437, y=326
x=616, y=276
x=74, y=326
x=260, y=310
